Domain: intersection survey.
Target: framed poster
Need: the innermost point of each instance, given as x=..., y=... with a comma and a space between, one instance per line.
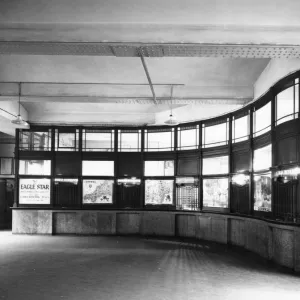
x=34, y=191
x=97, y=191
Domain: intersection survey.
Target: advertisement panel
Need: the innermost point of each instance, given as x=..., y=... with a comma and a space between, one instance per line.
x=97, y=191
x=34, y=191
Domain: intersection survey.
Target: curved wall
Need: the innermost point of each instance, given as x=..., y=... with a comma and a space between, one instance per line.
x=276, y=242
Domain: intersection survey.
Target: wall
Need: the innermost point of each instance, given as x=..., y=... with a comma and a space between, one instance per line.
x=276, y=242
x=274, y=71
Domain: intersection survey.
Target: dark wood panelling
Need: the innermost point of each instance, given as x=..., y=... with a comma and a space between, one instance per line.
x=130, y=164
x=68, y=164
x=188, y=166
x=159, y=156
x=98, y=155
x=286, y=151
x=241, y=146
x=240, y=160
x=129, y=197
x=239, y=201
x=35, y=155
x=287, y=129
x=262, y=140
x=216, y=151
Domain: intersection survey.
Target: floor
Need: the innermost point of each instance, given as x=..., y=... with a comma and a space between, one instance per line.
x=70, y=267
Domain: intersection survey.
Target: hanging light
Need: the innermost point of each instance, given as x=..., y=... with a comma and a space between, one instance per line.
x=172, y=119
x=19, y=121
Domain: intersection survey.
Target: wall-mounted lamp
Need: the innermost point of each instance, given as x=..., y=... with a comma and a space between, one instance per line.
x=240, y=179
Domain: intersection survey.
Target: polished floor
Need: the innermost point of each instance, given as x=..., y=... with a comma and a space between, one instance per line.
x=135, y=268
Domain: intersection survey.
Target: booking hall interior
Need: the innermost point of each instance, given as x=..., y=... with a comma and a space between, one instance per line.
x=149, y=149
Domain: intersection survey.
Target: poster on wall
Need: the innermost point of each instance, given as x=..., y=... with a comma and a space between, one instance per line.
x=34, y=191
x=263, y=192
x=159, y=192
x=97, y=191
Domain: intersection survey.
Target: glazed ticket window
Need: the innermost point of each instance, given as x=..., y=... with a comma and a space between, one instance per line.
x=215, y=165
x=159, y=168
x=262, y=120
x=34, y=191
x=159, y=192
x=262, y=158
x=188, y=138
x=287, y=104
x=35, y=140
x=159, y=140
x=97, y=191
x=240, y=129
x=98, y=140
x=35, y=167
x=263, y=192
x=215, y=135
x=97, y=168
x=215, y=192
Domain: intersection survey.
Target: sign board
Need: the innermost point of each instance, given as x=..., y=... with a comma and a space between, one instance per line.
x=34, y=191
x=97, y=191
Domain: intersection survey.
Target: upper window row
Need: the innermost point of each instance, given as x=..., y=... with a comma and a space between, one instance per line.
x=213, y=134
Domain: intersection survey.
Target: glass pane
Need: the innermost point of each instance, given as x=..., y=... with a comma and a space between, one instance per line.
x=262, y=158
x=285, y=105
x=159, y=141
x=187, y=198
x=262, y=192
x=159, y=168
x=97, y=168
x=66, y=140
x=262, y=120
x=97, y=191
x=6, y=166
x=215, y=192
x=35, y=141
x=188, y=139
x=215, y=135
x=159, y=192
x=240, y=129
x=129, y=141
x=34, y=191
x=98, y=141
x=35, y=167
x=215, y=165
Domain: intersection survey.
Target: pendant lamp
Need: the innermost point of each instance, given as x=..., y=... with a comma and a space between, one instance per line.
x=19, y=121
x=172, y=119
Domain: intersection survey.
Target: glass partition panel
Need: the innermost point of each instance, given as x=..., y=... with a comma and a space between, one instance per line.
x=215, y=192
x=263, y=192
x=262, y=120
x=159, y=192
x=216, y=135
x=35, y=140
x=34, y=191
x=161, y=140
x=66, y=141
x=129, y=140
x=98, y=140
x=188, y=138
x=262, y=158
x=287, y=104
x=240, y=129
x=97, y=191
x=6, y=166
x=159, y=168
x=187, y=193
x=215, y=165
x=97, y=168
x=35, y=167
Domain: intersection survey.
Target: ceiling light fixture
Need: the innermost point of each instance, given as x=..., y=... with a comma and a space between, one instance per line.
x=19, y=121
x=172, y=119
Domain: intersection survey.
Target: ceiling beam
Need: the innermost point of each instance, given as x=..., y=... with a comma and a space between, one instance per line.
x=149, y=78
x=151, y=49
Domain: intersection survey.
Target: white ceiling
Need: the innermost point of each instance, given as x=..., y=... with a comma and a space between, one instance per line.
x=106, y=83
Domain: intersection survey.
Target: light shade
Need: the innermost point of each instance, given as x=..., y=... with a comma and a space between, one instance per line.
x=171, y=121
x=20, y=122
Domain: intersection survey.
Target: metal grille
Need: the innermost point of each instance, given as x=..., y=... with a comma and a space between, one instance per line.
x=187, y=197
